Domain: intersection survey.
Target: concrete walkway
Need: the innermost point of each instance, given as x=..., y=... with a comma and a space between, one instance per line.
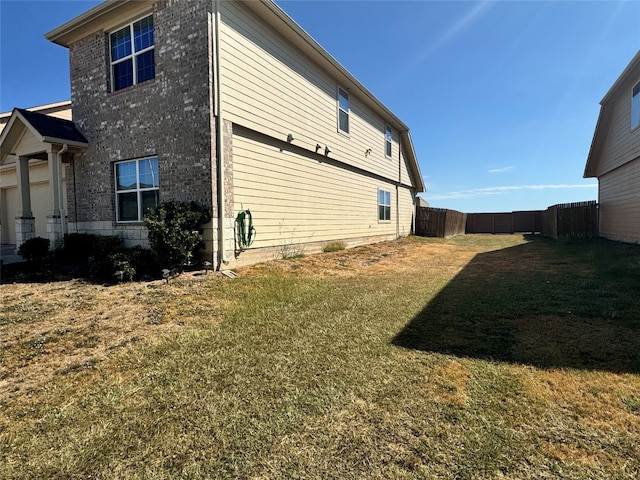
x=8, y=255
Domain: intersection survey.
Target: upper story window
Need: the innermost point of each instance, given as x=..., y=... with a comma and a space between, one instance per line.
x=137, y=188
x=132, y=56
x=635, y=106
x=343, y=110
x=387, y=140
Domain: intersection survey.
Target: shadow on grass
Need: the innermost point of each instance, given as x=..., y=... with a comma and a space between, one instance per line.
x=549, y=304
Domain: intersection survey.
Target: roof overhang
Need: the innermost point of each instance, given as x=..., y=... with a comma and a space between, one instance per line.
x=15, y=130
x=105, y=16
x=624, y=83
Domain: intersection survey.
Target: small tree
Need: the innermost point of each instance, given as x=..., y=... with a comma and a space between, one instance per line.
x=175, y=230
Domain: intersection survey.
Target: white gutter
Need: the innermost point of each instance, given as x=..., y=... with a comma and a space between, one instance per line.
x=222, y=260
x=63, y=216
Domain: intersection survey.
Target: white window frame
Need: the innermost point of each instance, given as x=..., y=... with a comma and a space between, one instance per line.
x=388, y=141
x=381, y=203
x=133, y=56
x=138, y=190
x=340, y=109
x=635, y=106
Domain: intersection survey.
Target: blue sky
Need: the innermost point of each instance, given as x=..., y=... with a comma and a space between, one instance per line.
x=501, y=97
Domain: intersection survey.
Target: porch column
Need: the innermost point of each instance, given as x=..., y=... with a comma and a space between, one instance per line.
x=24, y=189
x=54, y=219
x=25, y=223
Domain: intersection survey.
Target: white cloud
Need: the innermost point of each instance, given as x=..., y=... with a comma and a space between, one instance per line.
x=481, y=192
x=500, y=170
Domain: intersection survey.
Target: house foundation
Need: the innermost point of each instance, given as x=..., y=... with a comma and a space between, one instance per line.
x=54, y=231
x=25, y=230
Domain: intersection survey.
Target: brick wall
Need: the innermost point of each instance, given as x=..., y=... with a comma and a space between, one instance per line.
x=168, y=116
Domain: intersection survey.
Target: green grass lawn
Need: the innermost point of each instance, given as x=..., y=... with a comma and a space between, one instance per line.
x=471, y=357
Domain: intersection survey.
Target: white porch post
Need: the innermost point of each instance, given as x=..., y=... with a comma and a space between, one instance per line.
x=54, y=220
x=25, y=223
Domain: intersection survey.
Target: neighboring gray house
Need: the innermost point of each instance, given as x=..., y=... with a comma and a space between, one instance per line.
x=232, y=105
x=614, y=158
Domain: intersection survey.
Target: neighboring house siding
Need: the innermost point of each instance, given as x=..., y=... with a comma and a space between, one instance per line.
x=168, y=116
x=271, y=87
x=622, y=144
x=619, y=195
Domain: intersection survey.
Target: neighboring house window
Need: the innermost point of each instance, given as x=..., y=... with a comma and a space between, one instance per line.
x=343, y=111
x=384, y=205
x=137, y=186
x=132, y=54
x=387, y=141
x=635, y=106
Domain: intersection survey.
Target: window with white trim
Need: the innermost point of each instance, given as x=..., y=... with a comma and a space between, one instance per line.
x=635, y=106
x=343, y=110
x=137, y=188
x=387, y=140
x=384, y=205
x=132, y=54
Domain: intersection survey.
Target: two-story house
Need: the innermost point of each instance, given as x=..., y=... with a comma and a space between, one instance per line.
x=614, y=158
x=233, y=105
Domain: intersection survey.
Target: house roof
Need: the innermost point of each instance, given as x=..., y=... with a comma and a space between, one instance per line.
x=46, y=128
x=624, y=83
x=272, y=14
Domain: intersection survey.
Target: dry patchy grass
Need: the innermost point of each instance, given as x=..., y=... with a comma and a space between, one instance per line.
x=473, y=357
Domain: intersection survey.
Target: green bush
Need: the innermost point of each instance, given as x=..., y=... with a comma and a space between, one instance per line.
x=34, y=249
x=334, y=247
x=175, y=230
x=82, y=246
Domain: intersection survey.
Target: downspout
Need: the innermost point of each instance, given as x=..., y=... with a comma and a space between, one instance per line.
x=63, y=216
x=75, y=191
x=222, y=260
x=398, y=186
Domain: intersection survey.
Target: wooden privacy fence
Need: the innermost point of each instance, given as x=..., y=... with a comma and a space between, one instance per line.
x=509, y=222
x=571, y=220
x=439, y=222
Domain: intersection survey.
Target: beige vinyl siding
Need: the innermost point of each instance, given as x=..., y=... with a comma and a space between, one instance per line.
x=270, y=87
x=405, y=176
x=297, y=199
x=622, y=144
x=407, y=211
x=41, y=198
x=8, y=212
x=619, y=198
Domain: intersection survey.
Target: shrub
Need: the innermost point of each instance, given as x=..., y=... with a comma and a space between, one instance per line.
x=34, y=249
x=334, y=247
x=175, y=230
x=134, y=264
x=82, y=246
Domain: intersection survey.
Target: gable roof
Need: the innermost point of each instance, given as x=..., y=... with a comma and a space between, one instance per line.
x=272, y=14
x=624, y=83
x=46, y=128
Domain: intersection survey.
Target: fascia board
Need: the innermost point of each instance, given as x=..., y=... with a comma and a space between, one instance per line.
x=96, y=19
